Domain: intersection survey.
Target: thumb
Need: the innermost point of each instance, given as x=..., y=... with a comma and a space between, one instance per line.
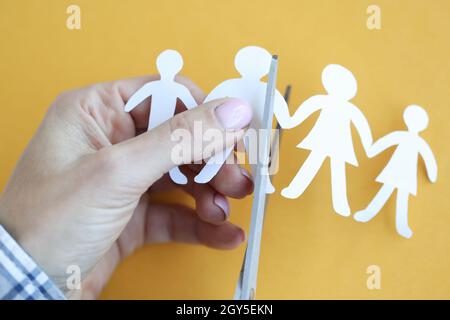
x=197, y=134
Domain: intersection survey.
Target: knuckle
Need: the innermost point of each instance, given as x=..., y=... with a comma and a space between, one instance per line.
x=62, y=105
x=181, y=122
x=110, y=93
x=64, y=97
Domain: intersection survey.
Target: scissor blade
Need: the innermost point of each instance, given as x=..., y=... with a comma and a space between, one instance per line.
x=276, y=138
x=251, y=261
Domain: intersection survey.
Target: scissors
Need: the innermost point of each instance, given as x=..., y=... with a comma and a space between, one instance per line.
x=246, y=287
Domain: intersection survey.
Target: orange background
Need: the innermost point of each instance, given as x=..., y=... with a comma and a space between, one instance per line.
x=308, y=251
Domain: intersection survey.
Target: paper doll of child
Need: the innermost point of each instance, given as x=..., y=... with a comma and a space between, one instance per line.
x=252, y=63
x=401, y=171
x=164, y=93
x=331, y=135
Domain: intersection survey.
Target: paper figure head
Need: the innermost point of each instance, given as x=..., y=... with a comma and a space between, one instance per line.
x=253, y=62
x=169, y=63
x=339, y=81
x=416, y=118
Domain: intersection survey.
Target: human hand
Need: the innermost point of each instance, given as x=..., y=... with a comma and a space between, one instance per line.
x=80, y=193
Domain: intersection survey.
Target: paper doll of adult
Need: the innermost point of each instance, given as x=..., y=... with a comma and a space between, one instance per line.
x=331, y=135
x=401, y=171
x=252, y=63
x=164, y=93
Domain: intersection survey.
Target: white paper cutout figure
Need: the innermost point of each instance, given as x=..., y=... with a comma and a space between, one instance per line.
x=164, y=93
x=252, y=63
x=401, y=171
x=331, y=135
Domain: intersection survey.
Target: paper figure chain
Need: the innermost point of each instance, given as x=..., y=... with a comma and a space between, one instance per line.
x=330, y=137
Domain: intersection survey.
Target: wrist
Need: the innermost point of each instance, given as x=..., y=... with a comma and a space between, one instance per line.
x=29, y=241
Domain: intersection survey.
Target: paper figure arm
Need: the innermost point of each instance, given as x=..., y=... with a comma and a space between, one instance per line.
x=307, y=108
x=385, y=142
x=429, y=159
x=143, y=93
x=185, y=95
x=362, y=126
x=281, y=111
x=223, y=90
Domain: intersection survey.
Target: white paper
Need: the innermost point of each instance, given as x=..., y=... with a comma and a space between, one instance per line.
x=164, y=93
x=331, y=135
x=401, y=171
x=252, y=63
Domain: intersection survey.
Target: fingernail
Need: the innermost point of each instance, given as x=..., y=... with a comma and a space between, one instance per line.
x=234, y=114
x=222, y=203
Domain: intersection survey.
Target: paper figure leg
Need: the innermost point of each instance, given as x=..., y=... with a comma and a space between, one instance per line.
x=304, y=176
x=401, y=221
x=213, y=166
x=339, y=188
x=375, y=205
x=177, y=176
x=265, y=171
x=269, y=187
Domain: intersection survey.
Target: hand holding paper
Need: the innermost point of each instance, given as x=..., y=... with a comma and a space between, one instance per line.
x=100, y=169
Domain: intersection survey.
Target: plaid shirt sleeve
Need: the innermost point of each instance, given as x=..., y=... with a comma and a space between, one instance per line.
x=20, y=277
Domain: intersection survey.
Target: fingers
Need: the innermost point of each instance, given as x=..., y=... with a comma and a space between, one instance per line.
x=211, y=206
x=158, y=224
x=144, y=159
x=210, y=203
x=232, y=180
x=167, y=223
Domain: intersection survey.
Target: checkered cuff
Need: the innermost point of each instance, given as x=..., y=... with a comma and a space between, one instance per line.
x=20, y=277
